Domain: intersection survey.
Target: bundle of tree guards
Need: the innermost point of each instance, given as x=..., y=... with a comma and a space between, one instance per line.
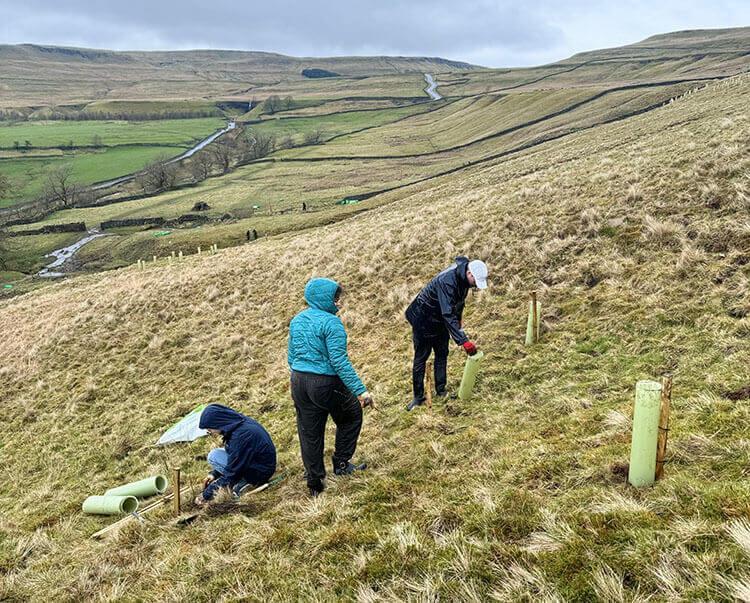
x=123, y=499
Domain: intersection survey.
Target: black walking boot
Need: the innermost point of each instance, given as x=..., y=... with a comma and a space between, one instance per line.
x=348, y=468
x=316, y=488
x=414, y=403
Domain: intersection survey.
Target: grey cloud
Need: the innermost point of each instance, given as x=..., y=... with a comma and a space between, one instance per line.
x=496, y=33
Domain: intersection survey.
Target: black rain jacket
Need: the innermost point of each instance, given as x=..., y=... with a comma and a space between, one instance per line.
x=440, y=305
x=250, y=450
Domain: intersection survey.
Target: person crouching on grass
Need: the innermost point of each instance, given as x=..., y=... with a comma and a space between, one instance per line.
x=323, y=383
x=247, y=458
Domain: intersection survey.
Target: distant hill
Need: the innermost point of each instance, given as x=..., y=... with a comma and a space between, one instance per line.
x=31, y=74
x=684, y=44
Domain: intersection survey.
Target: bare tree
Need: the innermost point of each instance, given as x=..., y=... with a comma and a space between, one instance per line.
x=257, y=145
x=287, y=142
x=96, y=141
x=314, y=137
x=4, y=186
x=288, y=103
x=200, y=166
x=273, y=104
x=222, y=152
x=159, y=175
x=60, y=188
x=4, y=236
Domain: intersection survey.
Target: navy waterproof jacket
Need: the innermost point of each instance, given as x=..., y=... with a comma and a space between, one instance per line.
x=250, y=450
x=440, y=305
x=317, y=338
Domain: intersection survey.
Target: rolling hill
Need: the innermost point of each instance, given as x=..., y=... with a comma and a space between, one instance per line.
x=32, y=75
x=634, y=230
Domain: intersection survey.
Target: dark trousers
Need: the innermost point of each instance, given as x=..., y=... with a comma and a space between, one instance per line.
x=315, y=398
x=424, y=345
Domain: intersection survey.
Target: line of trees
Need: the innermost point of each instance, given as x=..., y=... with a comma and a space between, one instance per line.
x=72, y=115
x=274, y=104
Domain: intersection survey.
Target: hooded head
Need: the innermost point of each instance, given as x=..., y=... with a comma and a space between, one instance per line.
x=216, y=416
x=320, y=293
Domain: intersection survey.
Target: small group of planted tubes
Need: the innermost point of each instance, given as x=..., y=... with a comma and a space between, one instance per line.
x=123, y=498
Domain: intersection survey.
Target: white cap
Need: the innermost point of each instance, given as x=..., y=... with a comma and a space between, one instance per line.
x=479, y=269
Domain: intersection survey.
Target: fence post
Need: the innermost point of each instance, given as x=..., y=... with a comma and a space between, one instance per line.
x=533, y=326
x=661, y=446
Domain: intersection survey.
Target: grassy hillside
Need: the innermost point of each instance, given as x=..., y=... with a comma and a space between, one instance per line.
x=674, y=56
x=32, y=75
x=635, y=234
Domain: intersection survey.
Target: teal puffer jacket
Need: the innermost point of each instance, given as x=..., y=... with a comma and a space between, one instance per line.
x=317, y=338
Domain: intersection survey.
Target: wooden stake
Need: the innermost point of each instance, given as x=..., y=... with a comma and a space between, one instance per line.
x=428, y=384
x=180, y=255
x=148, y=508
x=535, y=317
x=199, y=250
x=176, y=486
x=154, y=259
x=661, y=444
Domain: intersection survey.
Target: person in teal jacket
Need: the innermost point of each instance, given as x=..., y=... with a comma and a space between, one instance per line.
x=324, y=383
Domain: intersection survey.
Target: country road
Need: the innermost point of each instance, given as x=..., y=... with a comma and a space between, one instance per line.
x=431, y=87
x=202, y=144
x=63, y=255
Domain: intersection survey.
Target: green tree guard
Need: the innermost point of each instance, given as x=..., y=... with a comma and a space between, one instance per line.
x=145, y=487
x=645, y=433
x=470, y=375
x=110, y=505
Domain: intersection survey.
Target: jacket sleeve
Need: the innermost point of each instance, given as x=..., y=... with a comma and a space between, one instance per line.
x=335, y=337
x=236, y=460
x=451, y=318
x=290, y=349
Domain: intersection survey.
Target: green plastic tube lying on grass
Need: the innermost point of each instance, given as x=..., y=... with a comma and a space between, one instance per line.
x=110, y=505
x=470, y=375
x=645, y=433
x=156, y=484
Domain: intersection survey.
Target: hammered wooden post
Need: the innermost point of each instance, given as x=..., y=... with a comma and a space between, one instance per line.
x=428, y=383
x=176, y=489
x=666, y=403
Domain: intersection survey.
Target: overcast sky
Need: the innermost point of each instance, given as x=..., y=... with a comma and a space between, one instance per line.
x=493, y=33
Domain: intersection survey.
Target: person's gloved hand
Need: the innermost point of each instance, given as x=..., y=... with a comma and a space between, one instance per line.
x=470, y=348
x=209, y=478
x=200, y=501
x=365, y=400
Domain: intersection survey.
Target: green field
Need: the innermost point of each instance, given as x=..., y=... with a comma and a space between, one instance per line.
x=178, y=132
x=126, y=148
x=28, y=176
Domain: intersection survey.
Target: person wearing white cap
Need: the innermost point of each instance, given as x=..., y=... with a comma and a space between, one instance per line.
x=436, y=315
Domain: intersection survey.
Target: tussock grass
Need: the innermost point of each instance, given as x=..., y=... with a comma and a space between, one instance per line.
x=517, y=495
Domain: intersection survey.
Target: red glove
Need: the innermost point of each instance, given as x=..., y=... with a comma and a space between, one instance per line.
x=470, y=348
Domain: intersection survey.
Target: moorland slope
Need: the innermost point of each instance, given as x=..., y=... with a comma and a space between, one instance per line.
x=636, y=235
